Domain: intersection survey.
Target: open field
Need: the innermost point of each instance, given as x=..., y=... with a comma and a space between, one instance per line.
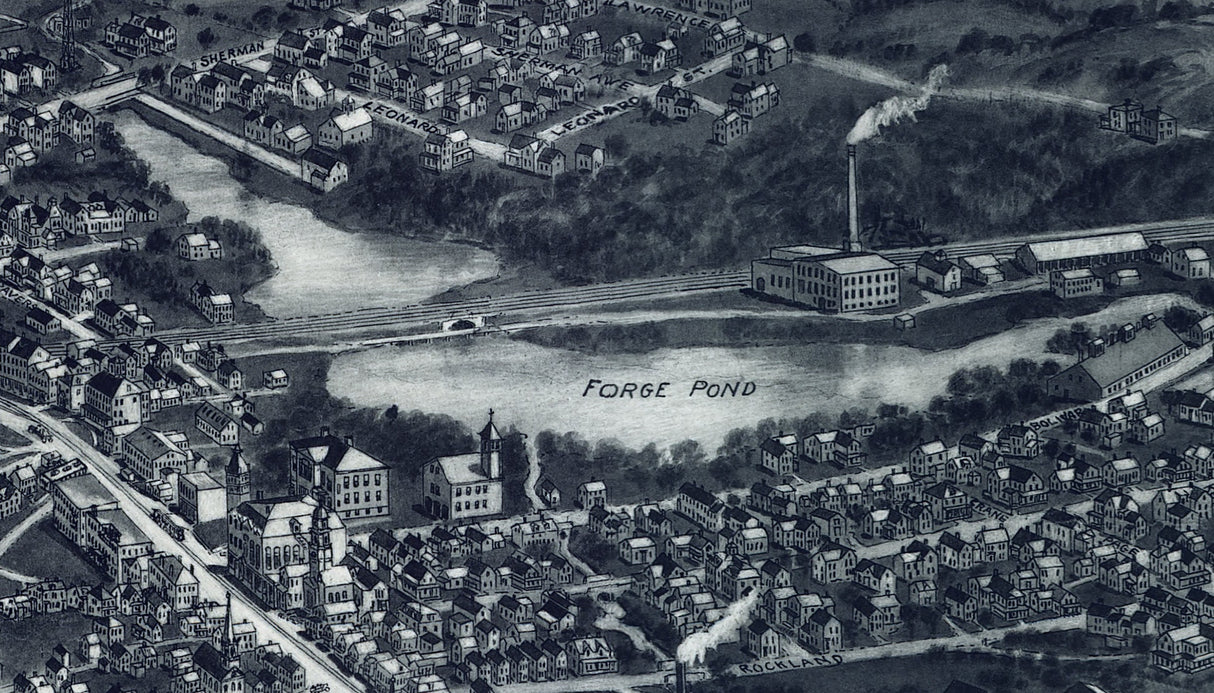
x=44, y=552
x=38, y=636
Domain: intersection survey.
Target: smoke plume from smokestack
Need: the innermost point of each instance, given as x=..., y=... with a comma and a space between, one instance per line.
x=696, y=646
x=896, y=108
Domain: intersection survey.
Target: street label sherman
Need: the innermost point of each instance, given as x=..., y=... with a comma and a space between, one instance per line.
x=700, y=388
x=210, y=59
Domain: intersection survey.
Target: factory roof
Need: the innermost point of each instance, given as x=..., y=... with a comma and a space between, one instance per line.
x=980, y=261
x=1085, y=247
x=788, y=252
x=1125, y=357
x=852, y=263
x=1084, y=273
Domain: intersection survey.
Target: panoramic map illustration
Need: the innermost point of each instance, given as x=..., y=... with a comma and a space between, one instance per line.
x=606, y=346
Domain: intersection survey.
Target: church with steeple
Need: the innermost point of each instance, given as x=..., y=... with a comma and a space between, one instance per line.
x=459, y=487
x=218, y=662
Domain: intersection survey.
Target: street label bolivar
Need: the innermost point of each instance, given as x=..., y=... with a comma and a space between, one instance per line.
x=700, y=388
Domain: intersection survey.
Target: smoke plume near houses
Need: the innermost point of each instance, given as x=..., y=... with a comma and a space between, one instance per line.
x=896, y=108
x=693, y=650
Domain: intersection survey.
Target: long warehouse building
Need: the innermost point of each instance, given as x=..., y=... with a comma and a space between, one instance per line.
x=1076, y=253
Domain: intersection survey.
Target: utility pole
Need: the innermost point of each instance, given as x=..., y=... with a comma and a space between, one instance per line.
x=67, y=38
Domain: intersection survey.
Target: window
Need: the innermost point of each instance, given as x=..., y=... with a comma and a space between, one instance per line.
x=345, y=482
x=355, y=481
x=346, y=499
x=377, y=481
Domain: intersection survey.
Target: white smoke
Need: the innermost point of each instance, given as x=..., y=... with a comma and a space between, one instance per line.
x=693, y=650
x=896, y=108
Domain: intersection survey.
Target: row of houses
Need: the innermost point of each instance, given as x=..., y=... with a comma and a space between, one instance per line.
x=23, y=73
x=32, y=224
x=221, y=85
x=42, y=129
x=139, y=36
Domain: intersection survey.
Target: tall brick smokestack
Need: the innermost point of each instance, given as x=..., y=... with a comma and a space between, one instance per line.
x=680, y=677
x=853, y=203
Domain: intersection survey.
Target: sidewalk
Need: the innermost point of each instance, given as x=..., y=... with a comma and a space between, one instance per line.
x=275, y=161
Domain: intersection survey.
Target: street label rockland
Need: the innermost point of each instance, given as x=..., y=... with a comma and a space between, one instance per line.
x=790, y=664
x=637, y=390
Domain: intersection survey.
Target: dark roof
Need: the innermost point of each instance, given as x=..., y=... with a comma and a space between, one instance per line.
x=106, y=383
x=320, y=159
x=931, y=262
x=697, y=493
x=210, y=660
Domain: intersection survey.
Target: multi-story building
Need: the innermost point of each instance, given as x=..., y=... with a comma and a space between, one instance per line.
x=468, y=485
x=269, y=546
x=444, y=152
x=113, y=402
x=355, y=484
x=150, y=453
x=827, y=279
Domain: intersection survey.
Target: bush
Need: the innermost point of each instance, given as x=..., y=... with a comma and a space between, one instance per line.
x=206, y=37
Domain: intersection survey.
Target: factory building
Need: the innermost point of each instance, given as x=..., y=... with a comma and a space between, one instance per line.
x=1078, y=253
x=830, y=279
x=1132, y=353
x=827, y=278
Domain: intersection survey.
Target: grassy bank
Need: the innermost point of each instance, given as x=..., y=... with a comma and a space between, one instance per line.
x=947, y=327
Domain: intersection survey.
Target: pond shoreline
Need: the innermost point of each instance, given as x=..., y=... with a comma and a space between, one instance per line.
x=312, y=256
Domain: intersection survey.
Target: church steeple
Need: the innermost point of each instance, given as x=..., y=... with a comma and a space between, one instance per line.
x=236, y=478
x=227, y=644
x=320, y=540
x=491, y=450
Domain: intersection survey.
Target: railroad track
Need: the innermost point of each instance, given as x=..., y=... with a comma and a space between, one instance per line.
x=422, y=314
x=416, y=315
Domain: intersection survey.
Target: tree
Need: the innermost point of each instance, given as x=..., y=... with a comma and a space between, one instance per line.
x=158, y=241
x=804, y=43
x=192, y=10
x=206, y=37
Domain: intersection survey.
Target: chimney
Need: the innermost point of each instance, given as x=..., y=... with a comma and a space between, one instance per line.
x=853, y=203
x=680, y=677
x=324, y=431
x=349, y=441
